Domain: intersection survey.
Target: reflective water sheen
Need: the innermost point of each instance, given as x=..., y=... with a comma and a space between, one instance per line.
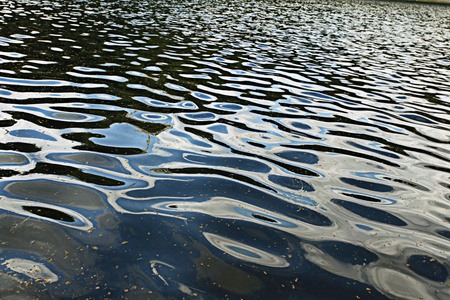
x=224, y=149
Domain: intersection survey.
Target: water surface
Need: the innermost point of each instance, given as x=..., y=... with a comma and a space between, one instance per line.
x=224, y=149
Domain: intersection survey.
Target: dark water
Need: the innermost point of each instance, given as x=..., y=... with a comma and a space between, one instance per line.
x=224, y=149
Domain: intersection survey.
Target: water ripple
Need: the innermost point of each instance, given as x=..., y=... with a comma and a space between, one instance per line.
x=224, y=150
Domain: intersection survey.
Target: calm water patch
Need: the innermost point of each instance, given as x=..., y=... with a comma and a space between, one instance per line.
x=224, y=149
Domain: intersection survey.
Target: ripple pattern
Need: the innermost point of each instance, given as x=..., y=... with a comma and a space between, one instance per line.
x=224, y=149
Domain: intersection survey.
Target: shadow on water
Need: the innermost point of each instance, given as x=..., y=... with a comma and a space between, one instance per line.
x=224, y=149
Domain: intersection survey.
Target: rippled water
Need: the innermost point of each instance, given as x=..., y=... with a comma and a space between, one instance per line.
x=224, y=149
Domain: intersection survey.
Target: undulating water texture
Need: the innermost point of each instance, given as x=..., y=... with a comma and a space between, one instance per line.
x=224, y=149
